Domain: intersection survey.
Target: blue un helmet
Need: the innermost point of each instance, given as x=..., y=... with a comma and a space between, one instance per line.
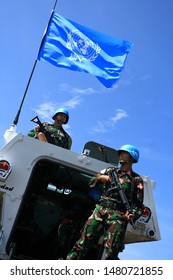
x=132, y=150
x=63, y=111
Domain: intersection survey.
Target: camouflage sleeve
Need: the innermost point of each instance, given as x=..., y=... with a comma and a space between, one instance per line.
x=32, y=133
x=138, y=195
x=95, y=179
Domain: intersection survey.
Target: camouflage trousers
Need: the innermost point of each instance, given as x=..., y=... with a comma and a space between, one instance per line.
x=111, y=223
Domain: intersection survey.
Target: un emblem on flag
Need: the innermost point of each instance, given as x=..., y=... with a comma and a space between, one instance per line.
x=82, y=47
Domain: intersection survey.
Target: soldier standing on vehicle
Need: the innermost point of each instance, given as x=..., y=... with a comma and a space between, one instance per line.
x=57, y=135
x=110, y=214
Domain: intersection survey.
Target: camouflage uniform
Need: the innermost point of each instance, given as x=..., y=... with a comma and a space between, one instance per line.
x=59, y=136
x=109, y=216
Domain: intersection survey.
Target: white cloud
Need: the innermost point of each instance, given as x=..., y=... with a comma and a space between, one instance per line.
x=100, y=127
x=72, y=103
x=120, y=114
x=45, y=110
x=103, y=126
x=76, y=91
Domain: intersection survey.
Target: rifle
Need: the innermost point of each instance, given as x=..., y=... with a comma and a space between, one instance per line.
x=116, y=183
x=42, y=129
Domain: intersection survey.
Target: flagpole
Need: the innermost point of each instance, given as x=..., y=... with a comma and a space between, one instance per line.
x=16, y=119
x=11, y=132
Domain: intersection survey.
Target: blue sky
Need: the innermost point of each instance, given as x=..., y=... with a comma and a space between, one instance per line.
x=138, y=110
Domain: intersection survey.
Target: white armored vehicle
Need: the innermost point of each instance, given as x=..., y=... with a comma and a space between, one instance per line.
x=45, y=198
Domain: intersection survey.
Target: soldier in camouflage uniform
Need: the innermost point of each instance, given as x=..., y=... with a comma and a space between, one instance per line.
x=110, y=214
x=59, y=136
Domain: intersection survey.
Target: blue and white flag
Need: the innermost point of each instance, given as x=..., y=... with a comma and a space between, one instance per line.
x=71, y=45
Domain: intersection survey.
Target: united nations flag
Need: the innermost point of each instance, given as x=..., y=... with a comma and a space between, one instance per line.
x=71, y=45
